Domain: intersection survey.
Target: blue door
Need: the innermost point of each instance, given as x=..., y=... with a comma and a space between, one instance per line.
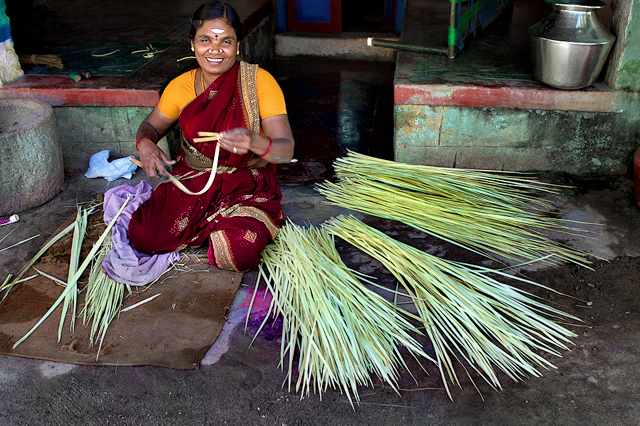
x=393, y=14
x=326, y=15
x=314, y=15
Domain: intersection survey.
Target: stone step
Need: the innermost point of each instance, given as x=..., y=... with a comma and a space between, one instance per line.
x=346, y=46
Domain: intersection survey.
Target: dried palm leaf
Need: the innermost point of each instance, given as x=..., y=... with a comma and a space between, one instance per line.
x=207, y=137
x=142, y=302
x=467, y=314
x=46, y=60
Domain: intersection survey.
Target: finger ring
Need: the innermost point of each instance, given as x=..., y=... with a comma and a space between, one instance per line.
x=235, y=151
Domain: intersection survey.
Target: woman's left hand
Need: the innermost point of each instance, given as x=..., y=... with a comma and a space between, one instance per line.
x=276, y=148
x=237, y=141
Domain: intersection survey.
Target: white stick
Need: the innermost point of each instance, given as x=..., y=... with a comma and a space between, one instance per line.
x=149, y=299
x=17, y=244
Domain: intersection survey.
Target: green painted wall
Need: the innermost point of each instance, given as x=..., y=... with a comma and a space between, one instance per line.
x=623, y=69
x=578, y=143
x=87, y=130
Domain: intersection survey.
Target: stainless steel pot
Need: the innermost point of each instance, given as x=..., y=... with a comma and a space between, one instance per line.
x=570, y=46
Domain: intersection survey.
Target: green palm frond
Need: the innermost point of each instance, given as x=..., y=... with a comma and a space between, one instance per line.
x=490, y=213
x=467, y=314
x=344, y=332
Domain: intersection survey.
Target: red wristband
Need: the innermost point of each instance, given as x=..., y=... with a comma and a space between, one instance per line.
x=268, y=149
x=142, y=137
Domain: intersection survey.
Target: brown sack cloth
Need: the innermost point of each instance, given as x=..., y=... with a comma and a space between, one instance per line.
x=174, y=330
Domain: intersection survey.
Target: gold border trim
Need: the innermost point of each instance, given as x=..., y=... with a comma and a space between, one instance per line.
x=239, y=210
x=249, y=95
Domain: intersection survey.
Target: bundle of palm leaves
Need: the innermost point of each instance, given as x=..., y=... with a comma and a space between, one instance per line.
x=343, y=331
x=469, y=314
x=103, y=297
x=466, y=313
x=491, y=213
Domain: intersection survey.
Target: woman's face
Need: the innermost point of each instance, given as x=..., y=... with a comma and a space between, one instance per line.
x=215, y=46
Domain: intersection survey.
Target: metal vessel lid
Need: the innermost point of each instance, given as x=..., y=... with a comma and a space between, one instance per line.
x=591, y=4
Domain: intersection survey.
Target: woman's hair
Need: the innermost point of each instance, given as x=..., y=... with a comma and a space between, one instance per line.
x=214, y=10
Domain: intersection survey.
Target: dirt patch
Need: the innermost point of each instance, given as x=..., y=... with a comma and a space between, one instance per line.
x=607, y=296
x=33, y=304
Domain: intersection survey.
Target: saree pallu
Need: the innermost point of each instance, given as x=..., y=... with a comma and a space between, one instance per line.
x=241, y=211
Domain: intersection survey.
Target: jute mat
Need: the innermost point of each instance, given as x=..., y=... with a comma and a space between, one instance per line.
x=174, y=330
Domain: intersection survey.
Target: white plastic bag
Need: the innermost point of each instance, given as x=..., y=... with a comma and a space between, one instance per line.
x=99, y=166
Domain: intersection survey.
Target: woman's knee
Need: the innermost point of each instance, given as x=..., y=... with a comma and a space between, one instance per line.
x=238, y=249
x=148, y=236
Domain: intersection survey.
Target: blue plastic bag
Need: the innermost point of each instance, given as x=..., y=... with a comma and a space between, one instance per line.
x=99, y=166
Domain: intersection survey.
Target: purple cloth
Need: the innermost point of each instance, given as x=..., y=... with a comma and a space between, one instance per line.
x=123, y=263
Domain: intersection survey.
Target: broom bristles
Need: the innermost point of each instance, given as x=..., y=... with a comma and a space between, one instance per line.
x=46, y=60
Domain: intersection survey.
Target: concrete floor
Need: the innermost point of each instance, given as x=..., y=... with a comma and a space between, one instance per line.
x=596, y=383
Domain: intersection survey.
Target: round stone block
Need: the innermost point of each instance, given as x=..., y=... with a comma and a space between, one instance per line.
x=31, y=167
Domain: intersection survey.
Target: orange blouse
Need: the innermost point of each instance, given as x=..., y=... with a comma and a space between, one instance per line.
x=181, y=90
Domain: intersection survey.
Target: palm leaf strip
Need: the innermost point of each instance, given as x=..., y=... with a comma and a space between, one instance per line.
x=11, y=281
x=71, y=298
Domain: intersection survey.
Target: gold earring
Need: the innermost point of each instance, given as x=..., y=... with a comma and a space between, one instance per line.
x=192, y=49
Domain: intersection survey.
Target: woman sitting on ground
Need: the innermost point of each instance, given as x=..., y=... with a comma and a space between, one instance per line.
x=241, y=212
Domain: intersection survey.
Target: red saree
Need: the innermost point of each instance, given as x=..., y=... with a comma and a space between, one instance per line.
x=241, y=211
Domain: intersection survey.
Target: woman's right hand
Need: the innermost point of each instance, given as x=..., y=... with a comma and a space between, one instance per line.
x=154, y=160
